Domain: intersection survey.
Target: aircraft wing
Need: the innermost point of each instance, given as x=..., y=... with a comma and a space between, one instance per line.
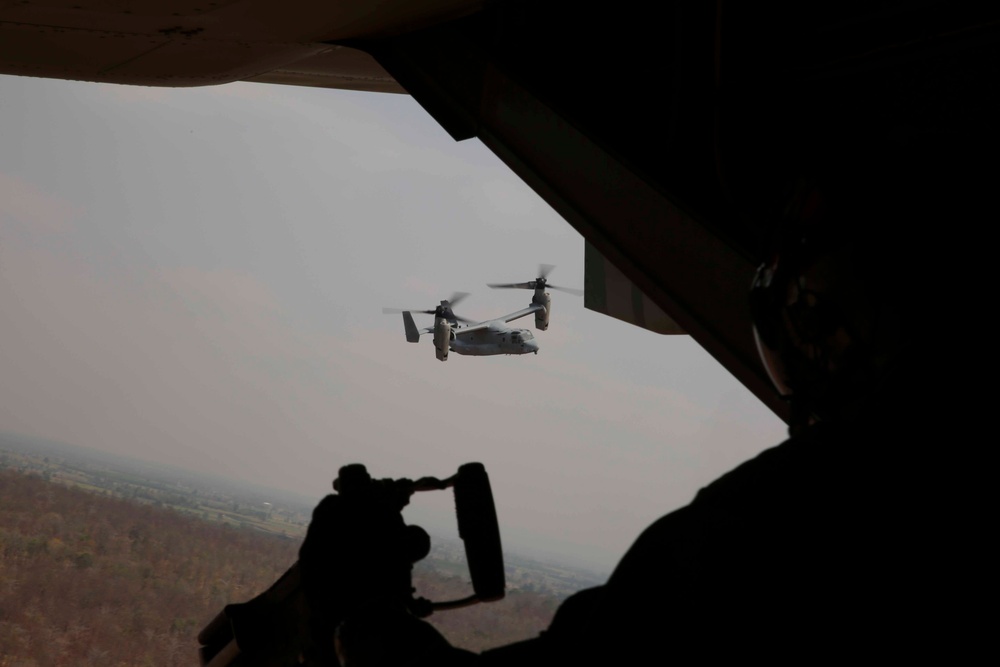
x=183, y=43
x=533, y=308
x=608, y=291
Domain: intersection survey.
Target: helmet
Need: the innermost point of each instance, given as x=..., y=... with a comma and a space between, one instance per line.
x=826, y=305
x=872, y=294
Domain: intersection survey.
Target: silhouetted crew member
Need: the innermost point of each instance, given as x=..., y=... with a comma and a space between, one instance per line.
x=850, y=538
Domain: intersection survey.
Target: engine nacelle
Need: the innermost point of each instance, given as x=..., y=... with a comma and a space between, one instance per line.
x=442, y=338
x=542, y=316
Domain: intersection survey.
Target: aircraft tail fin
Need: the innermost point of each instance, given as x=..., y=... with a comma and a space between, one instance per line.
x=412, y=334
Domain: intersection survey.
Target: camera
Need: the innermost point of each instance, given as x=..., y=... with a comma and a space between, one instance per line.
x=357, y=557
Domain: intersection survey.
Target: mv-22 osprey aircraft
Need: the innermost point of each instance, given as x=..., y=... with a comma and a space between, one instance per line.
x=490, y=336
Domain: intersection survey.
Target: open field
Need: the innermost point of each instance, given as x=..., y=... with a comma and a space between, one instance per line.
x=265, y=510
x=103, y=563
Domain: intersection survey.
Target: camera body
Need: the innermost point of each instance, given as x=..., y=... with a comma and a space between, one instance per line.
x=357, y=557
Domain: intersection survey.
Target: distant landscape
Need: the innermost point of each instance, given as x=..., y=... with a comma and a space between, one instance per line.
x=106, y=561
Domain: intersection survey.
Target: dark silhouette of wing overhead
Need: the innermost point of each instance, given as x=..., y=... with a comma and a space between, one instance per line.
x=677, y=181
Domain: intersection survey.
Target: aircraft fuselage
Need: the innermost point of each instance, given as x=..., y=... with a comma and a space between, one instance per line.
x=498, y=338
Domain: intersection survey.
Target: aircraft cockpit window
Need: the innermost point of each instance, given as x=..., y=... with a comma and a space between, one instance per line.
x=527, y=335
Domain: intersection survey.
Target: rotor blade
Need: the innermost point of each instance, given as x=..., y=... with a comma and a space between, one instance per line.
x=527, y=285
x=392, y=311
x=456, y=297
x=571, y=290
x=544, y=270
x=463, y=320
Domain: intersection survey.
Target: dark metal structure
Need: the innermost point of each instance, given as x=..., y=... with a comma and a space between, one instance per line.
x=663, y=132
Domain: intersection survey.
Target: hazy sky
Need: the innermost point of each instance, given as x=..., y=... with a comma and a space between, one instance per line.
x=196, y=277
